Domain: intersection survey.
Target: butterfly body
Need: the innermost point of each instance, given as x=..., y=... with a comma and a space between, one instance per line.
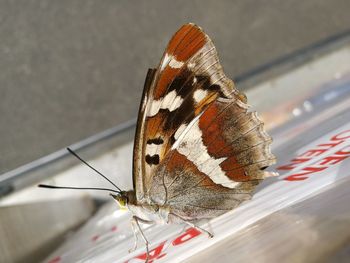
x=145, y=211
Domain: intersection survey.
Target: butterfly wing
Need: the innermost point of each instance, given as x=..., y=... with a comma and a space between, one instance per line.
x=197, y=148
x=188, y=79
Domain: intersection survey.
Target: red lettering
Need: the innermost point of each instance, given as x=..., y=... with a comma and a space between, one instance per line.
x=333, y=159
x=314, y=152
x=341, y=136
x=189, y=234
x=345, y=150
x=301, y=176
x=331, y=144
x=94, y=238
x=294, y=163
x=156, y=253
x=336, y=158
x=153, y=254
x=55, y=260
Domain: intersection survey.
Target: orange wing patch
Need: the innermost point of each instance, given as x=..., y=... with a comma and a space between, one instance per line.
x=185, y=43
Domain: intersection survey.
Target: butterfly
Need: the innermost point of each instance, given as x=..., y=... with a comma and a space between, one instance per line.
x=198, y=151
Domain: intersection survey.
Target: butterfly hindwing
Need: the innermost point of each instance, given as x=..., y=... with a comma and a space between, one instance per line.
x=216, y=163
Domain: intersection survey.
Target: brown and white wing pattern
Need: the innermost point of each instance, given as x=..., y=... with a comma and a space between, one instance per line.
x=210, y=151
x=215, y=164
x=188, y=79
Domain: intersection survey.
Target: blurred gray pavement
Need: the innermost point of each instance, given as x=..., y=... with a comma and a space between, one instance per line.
x=70, y=69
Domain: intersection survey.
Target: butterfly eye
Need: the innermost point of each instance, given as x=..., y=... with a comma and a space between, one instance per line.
x=122, y=201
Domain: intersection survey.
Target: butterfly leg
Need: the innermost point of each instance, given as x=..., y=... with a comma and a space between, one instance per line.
x=194, y=226
x=133, y=226
x=135, y=223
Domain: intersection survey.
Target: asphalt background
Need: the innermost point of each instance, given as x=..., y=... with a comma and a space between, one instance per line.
x=70, y=69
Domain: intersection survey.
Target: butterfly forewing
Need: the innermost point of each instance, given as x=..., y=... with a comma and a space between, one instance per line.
x=187, y=80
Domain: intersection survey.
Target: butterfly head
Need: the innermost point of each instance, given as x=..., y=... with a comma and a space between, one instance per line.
x=124, y=198
x=121, y=199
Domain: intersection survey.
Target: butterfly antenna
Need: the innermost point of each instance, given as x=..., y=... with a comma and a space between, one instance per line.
x=79, y=188
x=79, y=158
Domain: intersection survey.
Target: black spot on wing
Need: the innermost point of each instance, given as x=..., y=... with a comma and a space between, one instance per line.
x=152, y=160
x=172, y=139
x=185, y=86
x=178, y=116
x=157, y=141
x=205, y=84
x=182, y=83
